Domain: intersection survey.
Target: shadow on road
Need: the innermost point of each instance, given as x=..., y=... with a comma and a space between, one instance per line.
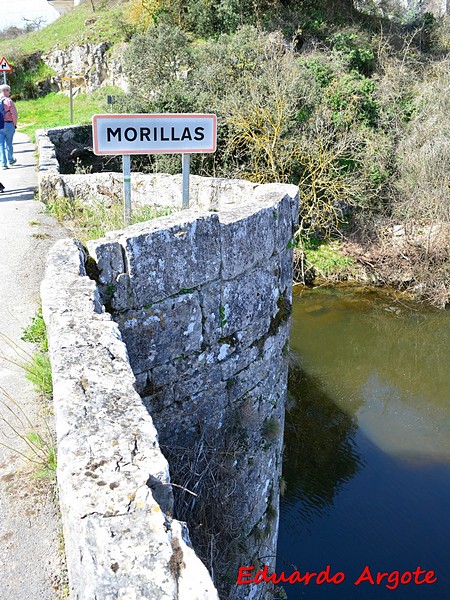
x=18, y=194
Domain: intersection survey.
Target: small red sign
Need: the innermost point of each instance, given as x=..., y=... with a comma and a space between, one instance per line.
x=5, y=67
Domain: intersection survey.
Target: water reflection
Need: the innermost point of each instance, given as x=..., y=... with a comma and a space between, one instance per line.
x=319, y=441
x=403, y=426
x=367, y=460
x=385, y=363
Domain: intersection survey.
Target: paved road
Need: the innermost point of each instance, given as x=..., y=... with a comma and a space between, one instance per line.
x=28, y=517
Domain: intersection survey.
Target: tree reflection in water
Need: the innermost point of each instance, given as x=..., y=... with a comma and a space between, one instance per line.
x=320, y=448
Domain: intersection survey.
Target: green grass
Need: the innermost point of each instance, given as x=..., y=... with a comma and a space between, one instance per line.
x=325, y=257
x=39, y=371
x=45, y=451
x=37, y=366
x=53, y=110
x=92, y=222
x=36, y=448
x=36, y=332
x=70, y=29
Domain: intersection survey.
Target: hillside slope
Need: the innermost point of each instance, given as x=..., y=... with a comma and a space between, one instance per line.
x=352, y=107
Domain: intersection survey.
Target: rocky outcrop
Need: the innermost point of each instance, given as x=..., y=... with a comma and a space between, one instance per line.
x=91, y=66
x=405, y=9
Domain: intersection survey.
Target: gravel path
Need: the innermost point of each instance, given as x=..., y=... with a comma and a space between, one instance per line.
x=29, y=555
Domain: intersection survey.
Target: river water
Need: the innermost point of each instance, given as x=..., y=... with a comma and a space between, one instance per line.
x=367, y=458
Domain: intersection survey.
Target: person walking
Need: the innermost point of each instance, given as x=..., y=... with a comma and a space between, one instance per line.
x=7, y=133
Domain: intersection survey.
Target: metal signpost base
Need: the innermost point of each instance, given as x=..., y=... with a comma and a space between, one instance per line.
x=185, y=179
x=126, y=189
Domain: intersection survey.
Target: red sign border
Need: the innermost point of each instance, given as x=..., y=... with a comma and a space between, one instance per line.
x=96, y=118
x=9, y=69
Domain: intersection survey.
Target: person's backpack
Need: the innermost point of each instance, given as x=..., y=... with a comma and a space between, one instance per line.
x=2, y=115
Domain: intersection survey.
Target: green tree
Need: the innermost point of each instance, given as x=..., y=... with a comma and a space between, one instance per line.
x=158, y=64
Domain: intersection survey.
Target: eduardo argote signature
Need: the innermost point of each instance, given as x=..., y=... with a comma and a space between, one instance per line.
x=391, y=580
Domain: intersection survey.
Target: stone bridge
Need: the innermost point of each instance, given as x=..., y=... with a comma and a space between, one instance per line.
x=168, y=342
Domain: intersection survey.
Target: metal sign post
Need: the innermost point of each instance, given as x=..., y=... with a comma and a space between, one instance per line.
x=186, y=163
x=70, y=102
x=126, y=162
x=70, y=79
x=110, y=101
x=184, y=134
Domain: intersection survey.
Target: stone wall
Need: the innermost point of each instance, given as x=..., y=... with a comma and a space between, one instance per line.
x=202, y=301
x=114, y=487
x=158, y=190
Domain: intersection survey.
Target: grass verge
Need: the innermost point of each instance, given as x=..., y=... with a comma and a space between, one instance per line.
x=37, y=443
x=37, y=449
x=92, y=222
x=52, y=110
x=320, y=260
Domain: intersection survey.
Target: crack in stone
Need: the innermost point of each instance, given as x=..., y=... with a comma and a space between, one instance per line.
x=134, y=450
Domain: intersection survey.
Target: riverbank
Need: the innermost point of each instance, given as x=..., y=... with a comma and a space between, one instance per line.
x=411, y=260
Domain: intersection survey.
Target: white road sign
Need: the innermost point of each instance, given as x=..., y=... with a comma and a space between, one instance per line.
x=5, y=66
x=154, y=134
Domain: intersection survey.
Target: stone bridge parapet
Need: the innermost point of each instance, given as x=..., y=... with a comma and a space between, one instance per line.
x=168, y=342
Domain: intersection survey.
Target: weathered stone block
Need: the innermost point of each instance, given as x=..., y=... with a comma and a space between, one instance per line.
x=247, y=301
x=287, y=219
x=247, y=237
x=238, y=361
x=109, y=259
x=286, y=271
x=190, y=415
x=171, y=254
x=157, y=401
x=185, y=367
x=202, y=379
x=249, y=298
x=210, y=296
x=247, y=379
x=161, y=332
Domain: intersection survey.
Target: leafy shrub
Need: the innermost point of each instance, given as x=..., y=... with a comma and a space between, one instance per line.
x=351, y=97
x=157, y=63
x=323, y=72
x=358, y=57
